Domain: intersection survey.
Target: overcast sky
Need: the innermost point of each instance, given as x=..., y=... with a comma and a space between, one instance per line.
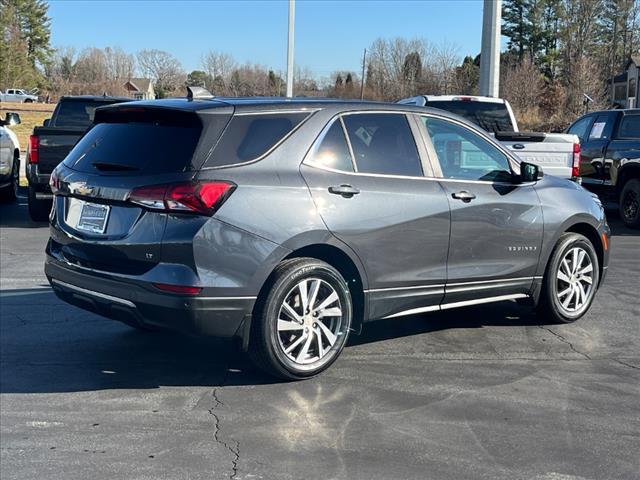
x=330, y=35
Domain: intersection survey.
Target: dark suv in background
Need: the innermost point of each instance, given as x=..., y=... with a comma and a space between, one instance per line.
x=291, y=223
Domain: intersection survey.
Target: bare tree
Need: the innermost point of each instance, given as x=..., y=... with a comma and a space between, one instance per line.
x=219, y=66
x=165, y=70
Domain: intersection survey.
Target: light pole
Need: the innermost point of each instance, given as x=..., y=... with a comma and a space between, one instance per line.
x=292, y=13
x=490, y=54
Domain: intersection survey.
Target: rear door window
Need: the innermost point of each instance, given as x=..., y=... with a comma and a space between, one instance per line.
x=629, y=127
x=333, y=150
x=383, y=143
x=249, y=136
x=581, y=127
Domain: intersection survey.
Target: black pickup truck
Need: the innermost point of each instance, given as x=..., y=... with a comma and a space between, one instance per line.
x=610, y=158
x=50, y=144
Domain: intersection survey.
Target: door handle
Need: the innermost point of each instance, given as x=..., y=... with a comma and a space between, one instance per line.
x=463, y=195
x=345, y=190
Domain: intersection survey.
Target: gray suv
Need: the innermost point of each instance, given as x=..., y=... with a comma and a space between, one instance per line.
x=292, y=223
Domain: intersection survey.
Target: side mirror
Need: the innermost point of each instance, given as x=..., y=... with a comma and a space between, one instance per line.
x=530, y=172
x=11, y=119
x=46, y=122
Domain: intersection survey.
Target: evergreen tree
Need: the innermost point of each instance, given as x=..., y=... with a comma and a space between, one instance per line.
x=516, y=25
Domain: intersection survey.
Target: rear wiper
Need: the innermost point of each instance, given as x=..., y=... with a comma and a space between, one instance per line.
x=113, y=167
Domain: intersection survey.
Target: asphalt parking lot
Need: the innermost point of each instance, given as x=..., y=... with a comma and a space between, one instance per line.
x=479, y=393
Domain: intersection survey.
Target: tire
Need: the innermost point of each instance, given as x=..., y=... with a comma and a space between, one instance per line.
x=38, y=209
x=305, y=343
x=28, y=100
x=629, y=203
x=563, y=300
x=9, y=193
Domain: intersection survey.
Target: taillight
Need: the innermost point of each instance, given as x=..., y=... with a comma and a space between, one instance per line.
x=33, y=148
x=165, y=287
x=575, y=167
x=189, y=197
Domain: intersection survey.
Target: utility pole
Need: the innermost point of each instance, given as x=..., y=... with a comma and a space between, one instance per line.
x=490, y=54
x=292, y=13
x=364, y=62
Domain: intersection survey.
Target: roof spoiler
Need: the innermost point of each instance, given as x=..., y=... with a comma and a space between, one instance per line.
x=198, y=93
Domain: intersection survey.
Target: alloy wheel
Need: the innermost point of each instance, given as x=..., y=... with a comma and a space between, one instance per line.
x=309, y=321
x=574, y=279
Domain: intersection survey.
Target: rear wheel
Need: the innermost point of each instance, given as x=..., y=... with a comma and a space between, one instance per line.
x=302, y=323
x=630, y=203
x=10, y=192
x=571, y=279
x=38, y=209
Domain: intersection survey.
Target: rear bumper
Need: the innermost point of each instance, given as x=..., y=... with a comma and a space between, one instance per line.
x=38, y=180
x=141, y=304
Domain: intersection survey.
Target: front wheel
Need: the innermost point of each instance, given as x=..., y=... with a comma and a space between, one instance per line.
x=571, y=280
x=630, y=203
x=302, y=323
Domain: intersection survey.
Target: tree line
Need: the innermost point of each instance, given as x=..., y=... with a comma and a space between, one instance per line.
x=557, y=52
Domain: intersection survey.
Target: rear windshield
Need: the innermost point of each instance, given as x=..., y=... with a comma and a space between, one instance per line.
x=127, y=148
x=76, y=113
x=492, y=117
x=248, y=137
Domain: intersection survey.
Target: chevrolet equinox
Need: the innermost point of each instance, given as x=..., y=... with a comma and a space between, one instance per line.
x=291, y=223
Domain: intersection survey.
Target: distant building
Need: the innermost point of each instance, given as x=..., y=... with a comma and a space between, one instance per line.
x=140, y=88
x=625, y=88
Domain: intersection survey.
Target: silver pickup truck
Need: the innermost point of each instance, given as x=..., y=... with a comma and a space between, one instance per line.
x=557, y=153
x=17, y=95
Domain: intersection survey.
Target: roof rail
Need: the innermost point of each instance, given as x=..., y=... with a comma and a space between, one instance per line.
x=195, y=93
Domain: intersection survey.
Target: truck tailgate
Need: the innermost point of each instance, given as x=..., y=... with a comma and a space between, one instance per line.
x=55, y=144
x=554, y=153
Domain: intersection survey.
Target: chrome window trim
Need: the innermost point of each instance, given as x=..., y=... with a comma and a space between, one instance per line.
x=313, y=164
x=308, y=161
x=512, y=161
x=349, y=146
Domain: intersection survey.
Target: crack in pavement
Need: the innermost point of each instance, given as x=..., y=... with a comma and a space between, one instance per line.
x=234, y=446
x=564, y=340
x=625, y=364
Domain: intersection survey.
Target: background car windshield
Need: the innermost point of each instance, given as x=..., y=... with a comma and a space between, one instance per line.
x=465, y=155
x=492, y=117
x=383, y=143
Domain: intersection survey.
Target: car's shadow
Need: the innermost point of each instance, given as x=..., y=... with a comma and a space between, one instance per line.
x=47, y=346
x=16, y=213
